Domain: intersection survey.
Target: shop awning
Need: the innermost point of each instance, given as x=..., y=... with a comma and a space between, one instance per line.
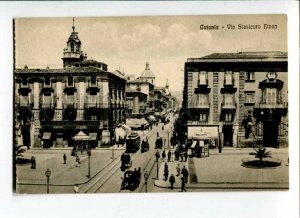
x=81, y=136
x=194, y=144
x=126, y=128
x=152, y=118
x=202, y=132
x=46, y=136
x=93, y=136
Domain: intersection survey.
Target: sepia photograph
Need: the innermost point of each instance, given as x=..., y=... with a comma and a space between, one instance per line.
x=150, y=104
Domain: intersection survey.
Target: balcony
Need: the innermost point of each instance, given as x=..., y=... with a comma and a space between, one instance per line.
x=71, y=54
x=47, y=105
x=274, y=105
x=228, y=105
x=199, y=101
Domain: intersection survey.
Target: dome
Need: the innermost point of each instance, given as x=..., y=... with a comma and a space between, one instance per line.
x=74, y=37
x=147, y=73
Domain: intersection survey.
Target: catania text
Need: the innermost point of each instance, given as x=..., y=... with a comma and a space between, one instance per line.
x=239, y=27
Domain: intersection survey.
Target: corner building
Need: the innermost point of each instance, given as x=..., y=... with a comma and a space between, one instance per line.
x=53, y=105
x=235, y=98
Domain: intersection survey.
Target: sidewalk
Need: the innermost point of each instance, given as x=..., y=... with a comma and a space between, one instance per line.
x=64, y=176
x=224, y=171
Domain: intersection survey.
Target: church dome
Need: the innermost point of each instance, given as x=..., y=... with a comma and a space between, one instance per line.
x=147, y=73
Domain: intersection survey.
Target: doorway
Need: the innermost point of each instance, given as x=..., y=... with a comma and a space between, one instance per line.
x=270, y=134
x=227, y=134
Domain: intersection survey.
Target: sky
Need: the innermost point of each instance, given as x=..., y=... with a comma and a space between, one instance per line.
x=126, y=43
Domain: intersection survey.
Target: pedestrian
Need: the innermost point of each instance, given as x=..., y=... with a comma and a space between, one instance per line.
x=172, y=181
x=163, y=155
x=169, y=155
x=183, y=184
x=178, y=170
x=181, y=156
x=157, y=134
x=77, y=161
x=157, y=155
x=31, y=161
x=166, y=174
x=34, y=163
x=65, y=158
x=185, y=156
x=185, y=173
x=76, y=189
x=166, y=167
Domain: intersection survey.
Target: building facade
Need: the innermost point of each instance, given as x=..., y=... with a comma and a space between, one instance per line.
x=53, y=105
x=237, y=98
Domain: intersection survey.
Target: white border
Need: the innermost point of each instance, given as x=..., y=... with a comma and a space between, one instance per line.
x=211, y=204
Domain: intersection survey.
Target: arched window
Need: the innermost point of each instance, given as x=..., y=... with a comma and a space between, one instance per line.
x=72, y=46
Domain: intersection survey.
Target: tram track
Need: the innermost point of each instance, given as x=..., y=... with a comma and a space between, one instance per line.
x=108, y=172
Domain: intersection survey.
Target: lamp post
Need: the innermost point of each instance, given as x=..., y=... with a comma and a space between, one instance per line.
x=157, y=155
x=146, y=176
x=89, y=153
x=48, y=174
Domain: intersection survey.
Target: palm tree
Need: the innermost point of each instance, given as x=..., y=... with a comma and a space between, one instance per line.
x=261, y=153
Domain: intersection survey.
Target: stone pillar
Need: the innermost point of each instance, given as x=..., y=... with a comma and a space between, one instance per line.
x=36, y=95
x=105, y=94
x=235, y=130
x=59, y=100
x=135, y=105
x=81, y=93
x=36, y=124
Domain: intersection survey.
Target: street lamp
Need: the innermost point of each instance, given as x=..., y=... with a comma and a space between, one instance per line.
x=48, y=174
x=157, y=155
x=146, y=176
x=89, y=153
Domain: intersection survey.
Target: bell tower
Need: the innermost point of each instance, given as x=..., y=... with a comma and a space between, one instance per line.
x=72, y=53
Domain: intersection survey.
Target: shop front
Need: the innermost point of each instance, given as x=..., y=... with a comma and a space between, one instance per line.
x=201, y=139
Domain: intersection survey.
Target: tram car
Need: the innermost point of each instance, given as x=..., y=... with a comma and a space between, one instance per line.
x=131, y=179
x=144, y=146
x=126, y=161
x=133, y=142
x=159, y=143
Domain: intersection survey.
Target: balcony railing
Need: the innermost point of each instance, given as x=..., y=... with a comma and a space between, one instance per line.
x=199, y=101
x=280, y=105
x=47, y=105
x=228, y=105
x=25, y=104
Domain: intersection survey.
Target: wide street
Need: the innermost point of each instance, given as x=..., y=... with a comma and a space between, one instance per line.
x=218, y=171
x=105, y=169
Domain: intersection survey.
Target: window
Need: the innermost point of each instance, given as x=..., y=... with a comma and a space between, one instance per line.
x=282, y=129
x=70, y=99
x=24, y=100
x=92, y=100
x=228, y=100
x=24, y=81
x=202, y=100
x=202, y=78
x=249, y=97
x=94, y=117
x=228, y=117
x=47, y=99
x=270, y=96
x=250, y=76
x=70, y=81
x=47, y=81
x=203, y=117
x=72, y=46
x=228, y=78
x=93, y=80
x=259, y=128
